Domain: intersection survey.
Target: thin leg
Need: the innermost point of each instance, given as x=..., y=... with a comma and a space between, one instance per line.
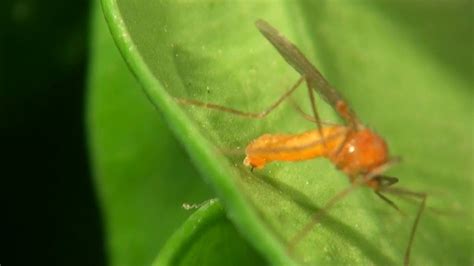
x=306, y=116
x=389, y=202
x=437, y=211
x=419, y=195
x=380, y=182
x=315, y=111
x=299, y=110
x=241, y=113
x=318, y=215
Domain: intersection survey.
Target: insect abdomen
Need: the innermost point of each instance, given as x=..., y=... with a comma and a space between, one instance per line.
x=309, y=145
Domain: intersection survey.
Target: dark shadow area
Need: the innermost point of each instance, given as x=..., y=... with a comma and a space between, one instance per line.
x=445, y=39
x=51, y=215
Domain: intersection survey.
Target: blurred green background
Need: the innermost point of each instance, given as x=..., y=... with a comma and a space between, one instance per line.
x=52, y=213
x=53, y=128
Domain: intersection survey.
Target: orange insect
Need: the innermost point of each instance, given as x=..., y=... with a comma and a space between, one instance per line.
x=353, y=148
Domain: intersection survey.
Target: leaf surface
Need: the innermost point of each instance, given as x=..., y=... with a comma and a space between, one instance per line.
x=208, y=238
x=142, y=173
x=393, y=63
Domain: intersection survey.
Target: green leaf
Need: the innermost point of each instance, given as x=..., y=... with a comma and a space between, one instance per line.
x=404, y=67
x=142, y=173
x=208, y=238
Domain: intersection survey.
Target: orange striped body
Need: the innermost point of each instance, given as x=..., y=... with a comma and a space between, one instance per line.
x=353, y=152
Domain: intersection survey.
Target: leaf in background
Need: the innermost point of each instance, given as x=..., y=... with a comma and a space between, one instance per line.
x=142, y=174
x=208, y=238
x=381, y=60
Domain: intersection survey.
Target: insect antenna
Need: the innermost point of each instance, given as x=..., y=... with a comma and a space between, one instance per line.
x=383, y=182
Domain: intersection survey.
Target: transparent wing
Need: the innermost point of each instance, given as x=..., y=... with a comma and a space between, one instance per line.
x=300, y=63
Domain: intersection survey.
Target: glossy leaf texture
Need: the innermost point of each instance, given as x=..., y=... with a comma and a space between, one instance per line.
x=142, y=174
x=208, y=238
x=405, y=68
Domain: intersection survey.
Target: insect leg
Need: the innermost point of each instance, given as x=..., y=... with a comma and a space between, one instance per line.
x=305, y=115
x=420, y=195
x=300, y=63
x=298, y=108
x=315, y=111
x=319, y=214
x=335, y=199
x=389, y=202
x=383, y=182
x=259, y=115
